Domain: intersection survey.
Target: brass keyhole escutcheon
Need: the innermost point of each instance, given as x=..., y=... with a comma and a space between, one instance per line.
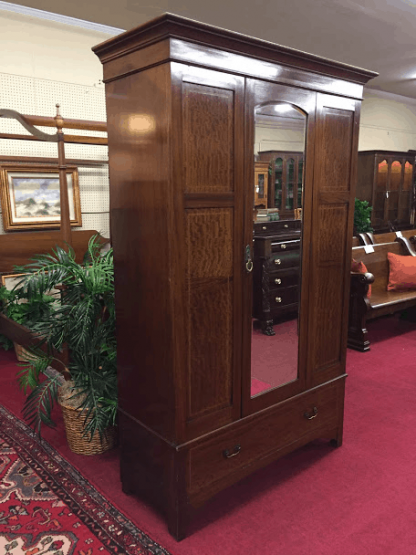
x=278, y=281
x=278, y=299
x=248, y=260
x=277, y=261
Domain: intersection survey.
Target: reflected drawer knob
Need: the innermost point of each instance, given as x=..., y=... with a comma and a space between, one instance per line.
x=229, y=453
x=311, y=415
x=277, y=261
x=278, y=281
x=283, y=246
x=286, y=225
x=264, y=227
x=278, y=299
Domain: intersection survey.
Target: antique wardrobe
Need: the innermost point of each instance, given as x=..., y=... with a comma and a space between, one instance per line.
x=204, y=401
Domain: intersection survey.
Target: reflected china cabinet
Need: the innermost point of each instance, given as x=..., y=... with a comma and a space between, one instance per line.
x=386, y=179
x=285, y=180
x=261, y=184
x=203, y=400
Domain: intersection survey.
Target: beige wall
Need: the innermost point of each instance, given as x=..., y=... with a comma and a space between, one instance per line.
x=388, y=122
x=47, y=50
x=278, y=139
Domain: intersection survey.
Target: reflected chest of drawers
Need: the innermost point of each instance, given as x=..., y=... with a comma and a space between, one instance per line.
x=276, y=271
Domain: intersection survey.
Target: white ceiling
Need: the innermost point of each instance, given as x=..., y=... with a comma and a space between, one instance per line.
x=379, y=35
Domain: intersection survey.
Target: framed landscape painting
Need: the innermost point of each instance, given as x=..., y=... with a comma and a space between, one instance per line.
x=30, y=197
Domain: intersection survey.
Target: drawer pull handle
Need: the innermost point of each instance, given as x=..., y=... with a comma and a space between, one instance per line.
x=283, y=246
x=278, y=281
x=264, y=227
x=310, y=415
x=229, y=454
x=286, y=225
x=277, y=261
x=278, y=299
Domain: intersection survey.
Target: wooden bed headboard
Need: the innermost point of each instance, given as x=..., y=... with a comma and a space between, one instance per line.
x=18, y=248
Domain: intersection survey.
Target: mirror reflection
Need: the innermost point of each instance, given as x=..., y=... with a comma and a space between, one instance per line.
x=279, y=160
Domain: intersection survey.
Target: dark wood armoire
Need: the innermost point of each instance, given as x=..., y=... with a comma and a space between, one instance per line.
x=386, y=179
x=181, y=98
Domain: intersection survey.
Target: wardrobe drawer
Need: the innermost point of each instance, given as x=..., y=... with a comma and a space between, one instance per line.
x=284, y=296
x=268, y=228
x=283, y=246
x=285, y=278
x=282, y=260
x=258, y=436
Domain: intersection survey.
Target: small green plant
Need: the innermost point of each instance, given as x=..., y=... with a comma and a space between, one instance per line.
x=362, y=216
x=15, y=306
x=23, y=310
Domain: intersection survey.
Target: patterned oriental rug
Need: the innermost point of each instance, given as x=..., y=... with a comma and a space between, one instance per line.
x=48, y=508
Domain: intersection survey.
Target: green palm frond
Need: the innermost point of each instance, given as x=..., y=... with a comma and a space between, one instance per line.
x=38, y=406
x=36, y=365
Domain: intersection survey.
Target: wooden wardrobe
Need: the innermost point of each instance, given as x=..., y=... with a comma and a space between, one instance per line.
x=181, y=98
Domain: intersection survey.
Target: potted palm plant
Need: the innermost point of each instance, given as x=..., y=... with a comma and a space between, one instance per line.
x=83, y=322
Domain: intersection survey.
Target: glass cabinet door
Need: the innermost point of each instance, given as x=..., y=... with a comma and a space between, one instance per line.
x=300, y=183
x=394, y=192
x=278, y=182
x=379, y=216
x=290, y=183
x=274, y=368
x=405, y=200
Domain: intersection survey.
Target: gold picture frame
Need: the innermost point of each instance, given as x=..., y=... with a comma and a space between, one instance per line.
x=29, y=196
x=9, y=281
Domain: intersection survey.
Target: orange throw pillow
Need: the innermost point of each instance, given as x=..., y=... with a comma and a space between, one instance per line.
x=360, y=267
x=402, y=275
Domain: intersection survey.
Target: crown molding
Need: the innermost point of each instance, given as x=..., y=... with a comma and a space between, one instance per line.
x=58, y=18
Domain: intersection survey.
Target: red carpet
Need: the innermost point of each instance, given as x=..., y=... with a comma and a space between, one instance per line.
x=355, y=500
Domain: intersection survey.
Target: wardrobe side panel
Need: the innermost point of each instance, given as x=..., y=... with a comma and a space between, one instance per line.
x=138, y=108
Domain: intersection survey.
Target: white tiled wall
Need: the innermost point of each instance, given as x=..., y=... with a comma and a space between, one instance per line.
x=33, y=96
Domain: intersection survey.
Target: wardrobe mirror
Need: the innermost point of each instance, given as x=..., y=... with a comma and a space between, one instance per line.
x=279, y=161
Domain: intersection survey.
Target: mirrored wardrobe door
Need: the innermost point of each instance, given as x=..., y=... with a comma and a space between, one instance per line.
x=279, y=155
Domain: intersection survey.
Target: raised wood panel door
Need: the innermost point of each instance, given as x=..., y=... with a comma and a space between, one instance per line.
x=333, y=201
x=259, y=94
x=208, y=157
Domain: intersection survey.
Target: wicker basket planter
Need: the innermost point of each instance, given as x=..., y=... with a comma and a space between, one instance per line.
x=74, y=427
